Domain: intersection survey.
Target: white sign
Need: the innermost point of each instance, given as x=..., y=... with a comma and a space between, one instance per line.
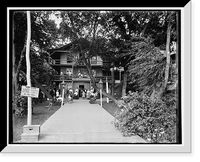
x=121, y=68
x=117, y=81
x=30, y=91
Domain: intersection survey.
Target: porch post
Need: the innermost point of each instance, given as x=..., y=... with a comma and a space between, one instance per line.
x=107, y=89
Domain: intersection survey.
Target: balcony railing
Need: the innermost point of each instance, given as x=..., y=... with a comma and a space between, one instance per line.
x=75, y=77
x=69, y=62
x=60, y=62
x=62, y=77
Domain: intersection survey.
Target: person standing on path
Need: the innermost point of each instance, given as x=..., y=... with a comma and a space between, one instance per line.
x=57, y=94
x=83, y=94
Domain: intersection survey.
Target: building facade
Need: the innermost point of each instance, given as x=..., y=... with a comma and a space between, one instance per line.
x=75, y=76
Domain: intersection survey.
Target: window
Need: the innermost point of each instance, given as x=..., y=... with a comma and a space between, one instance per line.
x=69, y=59
x=82, y=73
x=94, y=73
x=69, y=71
x=94, y=60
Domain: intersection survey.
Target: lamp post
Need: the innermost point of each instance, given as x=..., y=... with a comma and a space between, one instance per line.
x=120, y=69
x=113, y=77
x=100, y=86
x=107, y=89
x=63, y=87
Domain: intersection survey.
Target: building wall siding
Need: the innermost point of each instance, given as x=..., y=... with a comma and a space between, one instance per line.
x=63, y=58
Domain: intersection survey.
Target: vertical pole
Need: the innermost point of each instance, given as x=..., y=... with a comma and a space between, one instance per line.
x=107, y=89
x=101, y=96
x=120, y=75
x=113, y=81
x=28, y=67
x=63, y=92
x=124, y=84
x=178, y=114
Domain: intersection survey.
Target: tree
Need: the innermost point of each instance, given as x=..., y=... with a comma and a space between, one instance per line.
x=140, y=48
x=88, y=32
x=169, y=26
x=150, y=71
x=43, y=35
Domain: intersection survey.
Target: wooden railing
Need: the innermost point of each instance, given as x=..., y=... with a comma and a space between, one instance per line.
x=75, y=77
x=69, y=62
x=62, y=77
x=60, y=62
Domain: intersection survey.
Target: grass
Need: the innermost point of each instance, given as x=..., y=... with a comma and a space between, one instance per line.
x=40, y=115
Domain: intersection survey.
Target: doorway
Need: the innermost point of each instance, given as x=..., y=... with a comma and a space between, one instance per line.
x=81, y=87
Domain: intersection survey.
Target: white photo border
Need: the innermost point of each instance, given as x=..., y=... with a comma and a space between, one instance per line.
x=186, y=108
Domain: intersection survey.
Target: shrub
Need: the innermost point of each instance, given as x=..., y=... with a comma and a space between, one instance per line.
x=151, y=119
x=20, y=105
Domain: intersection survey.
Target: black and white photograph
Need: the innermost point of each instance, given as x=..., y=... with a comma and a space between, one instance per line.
x=95, y=76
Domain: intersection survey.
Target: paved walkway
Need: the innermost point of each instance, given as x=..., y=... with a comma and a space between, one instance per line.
x=81, y=122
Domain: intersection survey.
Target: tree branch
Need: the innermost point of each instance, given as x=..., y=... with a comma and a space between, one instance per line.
x=94, y=33
x=72, y=24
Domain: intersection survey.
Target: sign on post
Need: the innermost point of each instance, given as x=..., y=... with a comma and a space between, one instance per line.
x=30, y=91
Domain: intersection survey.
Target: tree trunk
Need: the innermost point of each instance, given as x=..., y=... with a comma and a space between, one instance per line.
x=162, y=87
x=177, y=42
x=167, y=56
x=41, y=87
x=97, y=88
x=178, y=117
x=13, y=64
x=18, y=67
x=118, y=85
x=16, y=74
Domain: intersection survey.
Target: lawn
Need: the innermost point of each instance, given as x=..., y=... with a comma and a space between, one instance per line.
x=40, y=115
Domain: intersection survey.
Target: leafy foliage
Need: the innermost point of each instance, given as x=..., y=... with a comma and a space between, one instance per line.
x=43, y=35
x=43, y=30
x=20, y=105
x=41, y=70
x=153, y=120
x=147, y=68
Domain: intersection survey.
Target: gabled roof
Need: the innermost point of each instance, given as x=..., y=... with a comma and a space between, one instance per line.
x=64, y=48
x=84, y=44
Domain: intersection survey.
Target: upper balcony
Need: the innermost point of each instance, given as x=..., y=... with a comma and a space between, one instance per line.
x=78, y=78
x=59, y=62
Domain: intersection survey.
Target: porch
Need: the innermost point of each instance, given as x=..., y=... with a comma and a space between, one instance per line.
x=84, y=78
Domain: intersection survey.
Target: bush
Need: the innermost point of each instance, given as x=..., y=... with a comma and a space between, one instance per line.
x=20, y=105
x=151, y=119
